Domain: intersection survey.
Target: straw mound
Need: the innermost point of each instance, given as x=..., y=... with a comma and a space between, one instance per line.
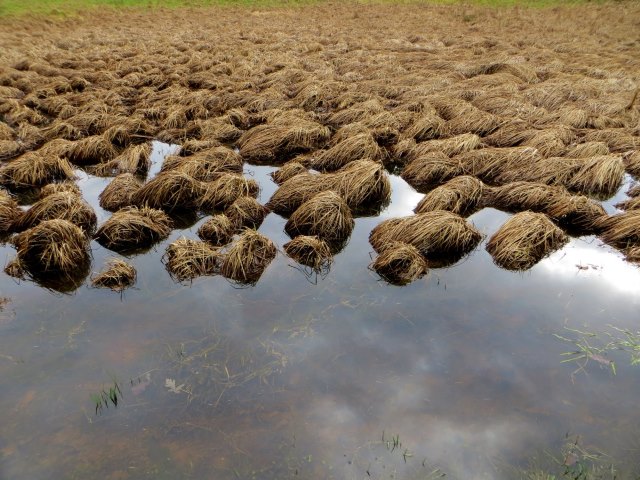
x=462, y=195
x=248, y=257
x=630, y=204
x=622, y=230
x=52, y=188
x=10, y=149
x=588, y=149
x=192, y=146
x=353, y=148
x=63, y=205
x=577, y=214
x=311, y=252
x=134, y=228
x=427, y=127
x=489, y=164
x=91, y=150
x=362, y=184
x=400, y=264
x=33, y=169
x=265, y=143
x=218, y=230
x=550, y=171
x=431, y=170
x=524, y=240
x=634, y=191
x=186, y=259
x=326, y=216
x=207, y=165
x=10, y=213
x=632, y=164
x=171, y=190
x=449, y=146
x=117, y=276
x=434, y=234
x=135, y=159
x=631, y=255
x=246, y=212
x=288, y=170
x=119, y=193
x=601, y=176
x=520, y=196
x=295, y=191
x=222, y=192
x=53, y=248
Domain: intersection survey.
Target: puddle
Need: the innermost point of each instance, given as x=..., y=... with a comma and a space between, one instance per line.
x=294, y=378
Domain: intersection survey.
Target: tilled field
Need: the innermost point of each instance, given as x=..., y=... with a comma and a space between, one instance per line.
x=534, y=112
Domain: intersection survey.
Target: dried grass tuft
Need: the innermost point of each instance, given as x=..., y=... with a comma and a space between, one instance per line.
x=34, y=169
x=355, y=147
x=218, y=230
x=311, y=252
x=435, y=234
x=632, y=164
x=207, y=165
x=118, y=276
x=51, y=188
x=171, y=191
x=622, y=230
x=10, y=213
x=62, y=205
x=226, y=189
x=246, y=212
x=524, y=240
x=288, y=170
x=601, y=176
x=400, y=264
x=629, y=204
x=119, y=193
x=134, y=228
x=588, y=149
x=135, y=160
x=91, y=150
x=431, y=170
x=462, y=195
x=520, y=196
x=326, y=216
x=186, y=259
x=53, y=248
x=248, y=257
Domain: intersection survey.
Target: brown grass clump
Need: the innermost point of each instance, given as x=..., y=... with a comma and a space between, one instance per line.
x=462, y=195
x=171, y=190
x=400, y=264
x=288, y=170
x=248, y=257
x=520, y=196
x=119, y=193
x=294, y=192
x=362, y=184
x=326, y=215
x=311, y=252
x=246, y=212
x=206, y=165
x=91, y=150
x=577, y=214
x=634, y=191
x=53, y=248
x=186, y=259
x=117, y=276
x=33, y=169
x=15, y=269
x=218, y=230
x=601, y=176
x=356, y=147
x=62, y=205
x=622, y=230
x=449, y=146
x=265, y=143
x=588, y=149
x=550, y=171
x=58, y=187
x=427, y=127
x=618, y=140
x=524, y=240
x=489, y=164
x=192, y=146
x=135, y=160
x=431, y=170
x=629, y=204
x=435, y=234
x=9, y=212
x=134, y=228
x=632, y=164
x=226, y=189
x=10, y=149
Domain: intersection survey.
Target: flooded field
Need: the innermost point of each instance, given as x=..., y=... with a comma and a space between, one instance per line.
x=484, y=159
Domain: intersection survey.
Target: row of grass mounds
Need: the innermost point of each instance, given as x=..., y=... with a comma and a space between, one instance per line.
x=362, y=184
x=133, y=228
x=117, y=276
x=524, y=240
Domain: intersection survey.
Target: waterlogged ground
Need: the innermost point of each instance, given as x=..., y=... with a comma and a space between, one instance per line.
x=339, y=377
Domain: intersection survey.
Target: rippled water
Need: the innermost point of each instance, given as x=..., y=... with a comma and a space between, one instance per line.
x=303, y=377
